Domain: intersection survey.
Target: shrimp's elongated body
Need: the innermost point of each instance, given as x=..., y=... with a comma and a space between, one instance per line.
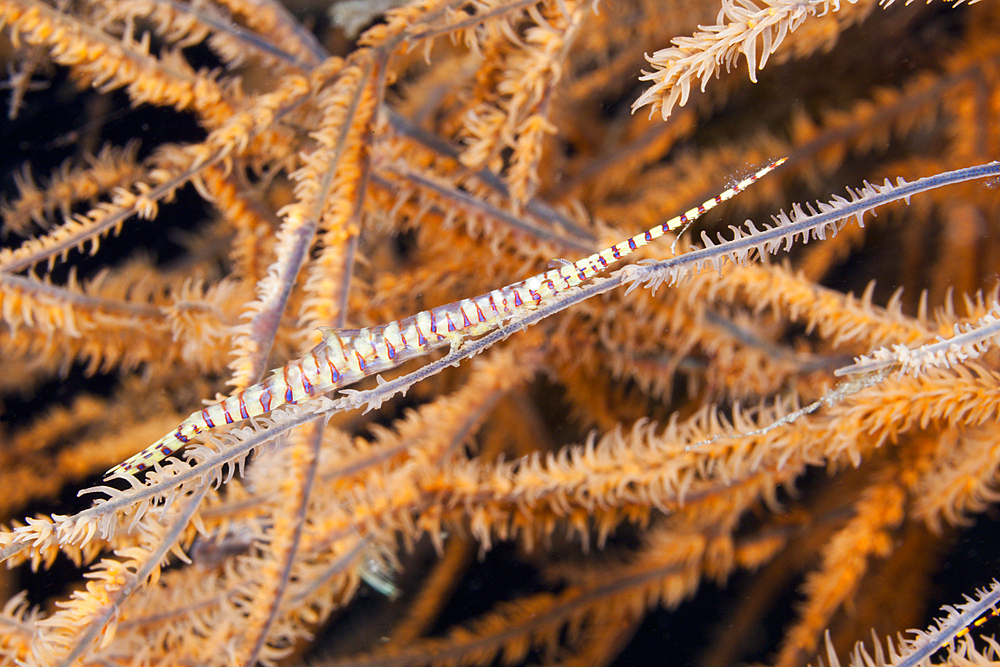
x=347, y=356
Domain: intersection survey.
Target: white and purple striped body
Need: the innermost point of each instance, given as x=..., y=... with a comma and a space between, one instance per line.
x=345, y=357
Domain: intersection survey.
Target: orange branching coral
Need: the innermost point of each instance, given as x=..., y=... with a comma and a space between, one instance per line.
x=197, y=191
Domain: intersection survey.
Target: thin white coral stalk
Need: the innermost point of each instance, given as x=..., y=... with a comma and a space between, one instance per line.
x=739, y=26
x=968, y=343
x=942, y=633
